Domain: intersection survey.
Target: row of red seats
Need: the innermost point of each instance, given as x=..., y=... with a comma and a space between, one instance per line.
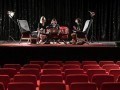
x=98, y=77
x=97, y=71
x=60, y=86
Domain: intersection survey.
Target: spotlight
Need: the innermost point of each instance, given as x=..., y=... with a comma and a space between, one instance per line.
x=11, y=13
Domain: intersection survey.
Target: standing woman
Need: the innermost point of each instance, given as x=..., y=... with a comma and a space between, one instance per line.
x=42, y=29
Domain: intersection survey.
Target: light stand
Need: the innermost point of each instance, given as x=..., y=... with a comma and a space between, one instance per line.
x=92, y=14
x=10, y=14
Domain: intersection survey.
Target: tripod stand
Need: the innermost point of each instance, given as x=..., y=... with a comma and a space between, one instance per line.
x=92, y=14
x=92, y=38
x=9, y=32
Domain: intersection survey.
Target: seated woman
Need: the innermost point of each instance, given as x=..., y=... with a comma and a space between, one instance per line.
x=76, y=30
x=54, y=26
x=42, y=29
x=53, y=29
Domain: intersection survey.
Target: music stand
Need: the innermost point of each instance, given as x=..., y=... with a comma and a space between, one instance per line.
x=85, y=32
x=10, y=14
x=92, y=14
x=24, y=28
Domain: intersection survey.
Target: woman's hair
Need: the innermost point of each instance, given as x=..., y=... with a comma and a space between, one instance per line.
x=42, y=19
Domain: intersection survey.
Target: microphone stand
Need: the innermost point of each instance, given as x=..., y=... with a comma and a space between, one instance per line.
x=92, y=14
x=10, y=37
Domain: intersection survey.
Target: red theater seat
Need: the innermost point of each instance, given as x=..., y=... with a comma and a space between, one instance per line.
x=86, y=67
x=100, y=78
x=52, y=86
x=2, y=86
x=101, y=63
x=115, y=73
x=64, y=32
x=76, y=78
x=73, y=71
x=108, y=67
x=110, y=86
x=52, y=71
x=118, y=80
x=15, y=66
x=83, y=86
x=8, y=71
x=33, y=71
x=89, y=62
x=41, y=63
x=37, y=66
x=70, y=66
x=25, y=78
x=51, y=78
x=73, y=62
x=51, y=66
x=21, y=86
x=5, y=79
x=91, y=72
x=56, y=62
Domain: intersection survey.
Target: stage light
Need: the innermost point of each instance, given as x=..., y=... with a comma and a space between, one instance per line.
x=11, y=14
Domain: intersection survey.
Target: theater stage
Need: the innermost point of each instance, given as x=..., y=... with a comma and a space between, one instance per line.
x=13, y=52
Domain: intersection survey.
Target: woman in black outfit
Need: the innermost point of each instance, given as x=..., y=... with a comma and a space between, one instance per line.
x=42, y=29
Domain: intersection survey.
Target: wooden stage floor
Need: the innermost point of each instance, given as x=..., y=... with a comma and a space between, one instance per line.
x=25, y=44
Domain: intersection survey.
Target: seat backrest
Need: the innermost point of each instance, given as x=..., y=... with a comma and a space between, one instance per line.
x=51, y=66
x=41, y=63
x=37, y=66
x=64, y=30
x=76, y=78
x=91, y=72
x=110, y=86
x=108, y=67
x=115, y=73
x=8, y=71
x=101, y=63
x=83, y=86
x=72, y=62
x=100, y=78
x=86, y=67
x=16, y=66
x=73, y=71
x=70, y=66
x=33, y=71
x=21, y=86
x=5, y=79
x=89, y=62
x=51, y=71
x=55, y=62
x=23, y=26
x=52, y=86
x=2, y=86
x=25, y=78
x=51, y=78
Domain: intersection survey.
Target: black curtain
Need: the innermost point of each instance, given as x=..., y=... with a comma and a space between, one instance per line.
x=106, y=25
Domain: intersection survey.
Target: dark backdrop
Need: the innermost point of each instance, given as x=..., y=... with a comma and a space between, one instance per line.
x=106, y=22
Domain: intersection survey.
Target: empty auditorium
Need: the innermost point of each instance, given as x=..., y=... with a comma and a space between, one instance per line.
x=59, y=44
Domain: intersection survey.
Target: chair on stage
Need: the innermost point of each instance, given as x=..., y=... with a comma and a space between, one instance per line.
x=56, y=35
x=26, y=34
x=82, y=37
x=64, y=32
